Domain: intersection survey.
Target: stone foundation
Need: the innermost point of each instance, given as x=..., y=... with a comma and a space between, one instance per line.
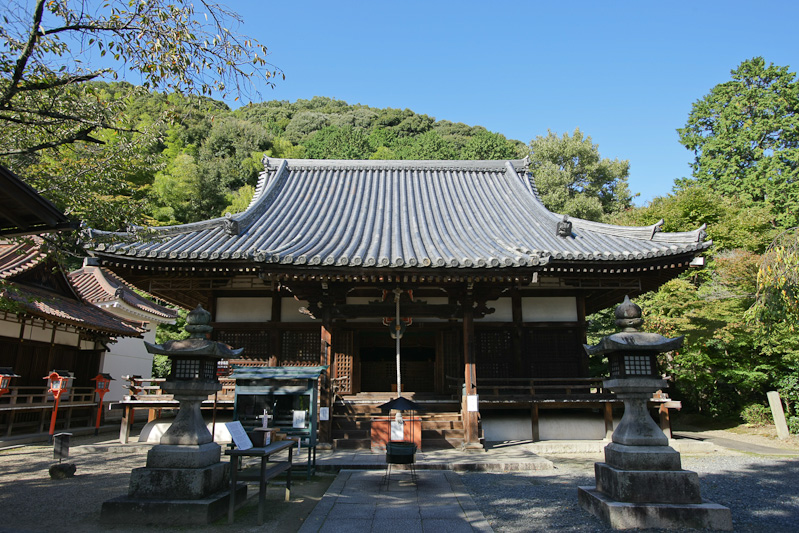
x=625, y=515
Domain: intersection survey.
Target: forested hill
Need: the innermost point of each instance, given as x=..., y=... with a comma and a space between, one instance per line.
x=209, y=156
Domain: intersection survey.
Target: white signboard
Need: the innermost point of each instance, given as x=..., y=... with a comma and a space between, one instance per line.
x=239, y=436
x=324, y=413
x=397, y=430
x=299, y=419
x=472, y=403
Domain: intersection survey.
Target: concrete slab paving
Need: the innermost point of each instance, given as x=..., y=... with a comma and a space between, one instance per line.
x=360, y=500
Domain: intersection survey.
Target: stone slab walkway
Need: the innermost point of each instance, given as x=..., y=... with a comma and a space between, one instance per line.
x=359, y=501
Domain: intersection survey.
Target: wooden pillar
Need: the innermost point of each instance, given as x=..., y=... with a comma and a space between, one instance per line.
x=471, y=419
x=325, y=388
x=536, y=432
x=608, y=412
x=127, y=420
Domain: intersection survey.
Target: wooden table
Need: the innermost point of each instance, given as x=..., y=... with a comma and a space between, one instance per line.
x=267, y=471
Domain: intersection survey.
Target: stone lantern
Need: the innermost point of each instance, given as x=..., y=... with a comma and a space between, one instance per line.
x=184, y=481
x=642, y=484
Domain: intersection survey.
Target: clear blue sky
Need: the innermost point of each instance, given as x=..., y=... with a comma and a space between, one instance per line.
x=625, y=73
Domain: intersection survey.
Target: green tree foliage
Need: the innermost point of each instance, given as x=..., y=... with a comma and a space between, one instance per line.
x=573, y=179
x=46, y=62
x=334, y=142
x=778, y=282
x=90, y=147
x=731, y=224
x=728, y=361
x=491, y=146
x=745, y=137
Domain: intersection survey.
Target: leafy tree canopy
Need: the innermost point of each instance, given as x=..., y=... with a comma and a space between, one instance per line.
x=93, y=148
x=573, y=179
x=52, y=47
x=745, y=137
x=730, y=224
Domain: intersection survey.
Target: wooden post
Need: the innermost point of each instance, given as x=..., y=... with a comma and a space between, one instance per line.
x=325, y=388
x=608, y=415
x=127, y=420
x=534, y=421
x=471, y=435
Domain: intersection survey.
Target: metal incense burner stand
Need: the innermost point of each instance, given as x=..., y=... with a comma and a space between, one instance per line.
x=184, y=481
x=642, y=484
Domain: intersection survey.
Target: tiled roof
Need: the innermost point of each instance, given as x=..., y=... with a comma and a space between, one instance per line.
x=44, y=304
x=22, y=257
x=18, y=257
x=399, y=214
x=98, y=285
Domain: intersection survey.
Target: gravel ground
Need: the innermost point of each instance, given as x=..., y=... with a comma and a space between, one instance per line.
x=31, y=502
x=762, y=493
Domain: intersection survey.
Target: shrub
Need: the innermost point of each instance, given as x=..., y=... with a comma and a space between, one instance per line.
x=756, y=415
x=793, y=424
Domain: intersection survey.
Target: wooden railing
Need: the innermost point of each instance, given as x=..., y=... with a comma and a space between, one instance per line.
x=541, y=388
x=149, y=390
x=28, y=407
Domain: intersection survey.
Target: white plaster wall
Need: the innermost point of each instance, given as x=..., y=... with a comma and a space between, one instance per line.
x=9, y=329
x=65, y=337
x=559, y=425
x=503, y=311
x=243, y=309
x=128, y=356
x=290, y=310
x=38, y=333
x=555, y=309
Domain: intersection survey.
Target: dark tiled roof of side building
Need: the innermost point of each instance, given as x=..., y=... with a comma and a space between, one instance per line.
x=99, y=285
x=17, y=260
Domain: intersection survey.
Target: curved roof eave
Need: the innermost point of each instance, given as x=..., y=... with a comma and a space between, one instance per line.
x=398, y=214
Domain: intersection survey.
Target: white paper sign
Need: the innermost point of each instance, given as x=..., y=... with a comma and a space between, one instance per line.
x=324, y=413
x=299, y=419
x=472, y=403
x=239, y=436
x=397, y=430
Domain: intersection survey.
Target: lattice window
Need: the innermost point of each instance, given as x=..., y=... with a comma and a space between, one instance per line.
x=300, y=348
x=493, y=352
x=344, y=350
x=256, y=343
x=187, y=369
x=637, y=365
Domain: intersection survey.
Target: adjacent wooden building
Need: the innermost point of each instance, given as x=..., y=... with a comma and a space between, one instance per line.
x=494, y=288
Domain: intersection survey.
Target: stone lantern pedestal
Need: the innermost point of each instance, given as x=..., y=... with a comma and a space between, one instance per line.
x=642, y=484
x=184, y=481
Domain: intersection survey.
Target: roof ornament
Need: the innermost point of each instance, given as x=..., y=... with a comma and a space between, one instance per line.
x=657, y=228
x=565, y=227
x=701, y=234
x=231, y=225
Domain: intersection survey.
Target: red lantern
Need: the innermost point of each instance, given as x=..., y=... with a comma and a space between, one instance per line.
x=5, y=378
x=58, y=380
x=102, y=383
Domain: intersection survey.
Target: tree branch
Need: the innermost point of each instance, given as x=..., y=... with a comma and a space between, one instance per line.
x=81, y=135
x=22, y=61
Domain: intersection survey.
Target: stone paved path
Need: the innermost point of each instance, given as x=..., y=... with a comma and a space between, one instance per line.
x=358, y=501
